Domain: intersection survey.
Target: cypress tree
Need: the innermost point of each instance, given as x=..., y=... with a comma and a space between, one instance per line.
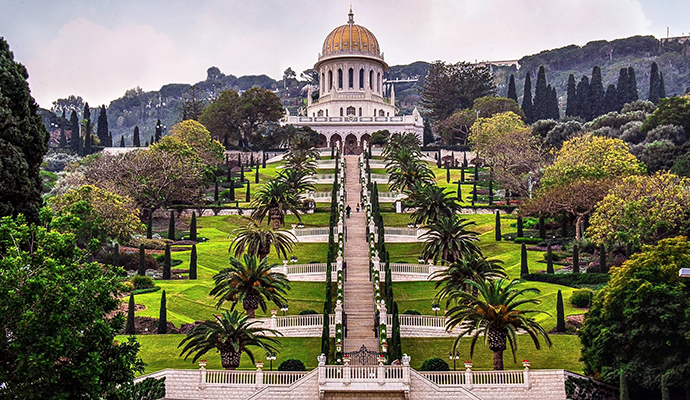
x=122, y=141
x=248, y=196
x=474, y=192
x=142, y=260
x=241, y=173
x=232, y=190
x=256, y=176
x=116, y=255
x=192, y=263
x=251, y=160
x=102, y=127
x=632, y=85
x=596, y=94
x=476, y=173
x=149, y=225
x=462, y=173
x=553, y=110
x=654, y=84
x=662, y=86
x=576, y=259
x=136, y=140
x=229, y=178
x=163, y=316
x=326, y=332
x=527, y=107
x=622, y=90
x=216, y=194
x=460, y=193
x=146, y=144
x=75, y=138
x=167, y=263
x=512, y=93
x=560, y=313
x=129, y=328
x=571, y=103
x=524, y=269
x=542, y=227
x=497, y=227
x=602, y=259
x=447, y=173
x=159, y=131
x=520, y=232
x=583, y=98
x=171, y=226
x=88, y=145
x=611, y=98
x=63, y=137
x=541, y=94
x=549, y=260
x=110, y=139
x=464, y=160
x=192, y=227
x=332, y=151
x=263, y=162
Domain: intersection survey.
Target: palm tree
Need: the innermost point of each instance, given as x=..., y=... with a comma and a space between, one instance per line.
x=399, y=141
x=257, y=240
x=432, y=203
x=297, y=180
x=469, y=268
x=408, y=171
x=274, y=199
x=301, y=160
x=231, y=333
x=251, y=282
x=448, y=239
x=494, y=313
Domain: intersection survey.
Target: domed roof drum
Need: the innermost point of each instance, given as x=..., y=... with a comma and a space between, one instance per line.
x=351, y=38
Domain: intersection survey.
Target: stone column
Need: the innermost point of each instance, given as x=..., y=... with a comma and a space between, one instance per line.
x=274, y=319
x=339, y=263
x=322, y=368
x=202, y=374
x=468, y=376
x=406, y=369
x=338, y=313
x=398, y=207
x=259, y=374
x=526, y=373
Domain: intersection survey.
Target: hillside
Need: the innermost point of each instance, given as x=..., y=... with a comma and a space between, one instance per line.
x=141, y=108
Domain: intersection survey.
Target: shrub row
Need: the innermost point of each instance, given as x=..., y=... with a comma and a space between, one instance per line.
x=570, y=280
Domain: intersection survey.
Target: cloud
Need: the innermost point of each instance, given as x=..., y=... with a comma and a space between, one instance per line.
x=99, y=64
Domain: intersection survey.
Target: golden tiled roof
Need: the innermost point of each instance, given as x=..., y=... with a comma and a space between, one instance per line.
x=350, y=38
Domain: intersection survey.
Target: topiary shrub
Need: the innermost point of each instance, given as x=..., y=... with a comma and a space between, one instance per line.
x=292, y=365
x=412, y=312
x=581, y=298
x=151, y=244
x=142, y=282
x=434, y=364
x=308, y=311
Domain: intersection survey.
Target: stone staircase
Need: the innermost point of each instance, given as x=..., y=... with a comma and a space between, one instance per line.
x=358, y=290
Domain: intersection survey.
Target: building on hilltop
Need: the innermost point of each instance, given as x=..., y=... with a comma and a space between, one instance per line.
x=351, y=104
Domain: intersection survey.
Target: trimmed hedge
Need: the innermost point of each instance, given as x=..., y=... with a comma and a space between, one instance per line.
x=528, y=240
x=148, y=290
x=570, y=280
x=292, y=365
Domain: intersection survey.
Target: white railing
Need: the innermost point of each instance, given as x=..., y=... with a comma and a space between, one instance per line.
x=297, y=321
x=497, y=378
x=362, y=373
x=280, y=378
x=311, y=231
x=409, y=268
x=446, y=378
x=407, y=320
x=325, y=164
x=231, y=377
x=324, y=177
x=321, y=195
x=379, y=177
x=401, y=231
x=319, y=268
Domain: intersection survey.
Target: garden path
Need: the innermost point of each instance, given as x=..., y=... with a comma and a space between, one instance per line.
x=358, y=290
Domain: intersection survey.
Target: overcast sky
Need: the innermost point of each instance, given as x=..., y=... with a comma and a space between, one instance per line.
x=98, y=49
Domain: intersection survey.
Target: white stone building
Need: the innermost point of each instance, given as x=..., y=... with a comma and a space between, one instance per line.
x=351, y=105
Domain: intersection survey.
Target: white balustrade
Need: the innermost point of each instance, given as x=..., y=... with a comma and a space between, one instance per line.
x=300, y=232
x=446, y=377
x=498, y=378
x=316, y=268
x=285, y=378
x=418, y=321
x=409, y=268
x=231, y=377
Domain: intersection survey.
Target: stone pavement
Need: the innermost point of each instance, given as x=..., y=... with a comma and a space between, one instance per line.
x=358, y=290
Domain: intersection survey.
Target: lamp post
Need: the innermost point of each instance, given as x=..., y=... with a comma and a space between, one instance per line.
x=270, y=356
x=284, y=309
x=454, y=355
x=435, y=308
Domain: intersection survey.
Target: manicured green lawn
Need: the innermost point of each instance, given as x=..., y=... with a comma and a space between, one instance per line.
x=564, y=354
x=161, y=351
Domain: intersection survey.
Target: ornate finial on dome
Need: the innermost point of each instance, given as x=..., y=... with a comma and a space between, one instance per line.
x=350, y=16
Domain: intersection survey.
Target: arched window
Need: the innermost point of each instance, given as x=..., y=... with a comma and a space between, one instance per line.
x=360, y=111
x=378, y=82
x=381, y=113
x=374, y=112
x=330, y=80
x=350, y=110
x=326, y=112
x=340, y=79
x=361, y=79
x=323, y=82
x=371, y=79
x=341, y=111
x=350, y=78
x=320, y=113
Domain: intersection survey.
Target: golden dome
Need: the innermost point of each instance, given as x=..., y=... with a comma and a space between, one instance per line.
x=351, y=38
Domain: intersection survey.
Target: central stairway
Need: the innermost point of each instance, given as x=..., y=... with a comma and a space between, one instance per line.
x=358, y=293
